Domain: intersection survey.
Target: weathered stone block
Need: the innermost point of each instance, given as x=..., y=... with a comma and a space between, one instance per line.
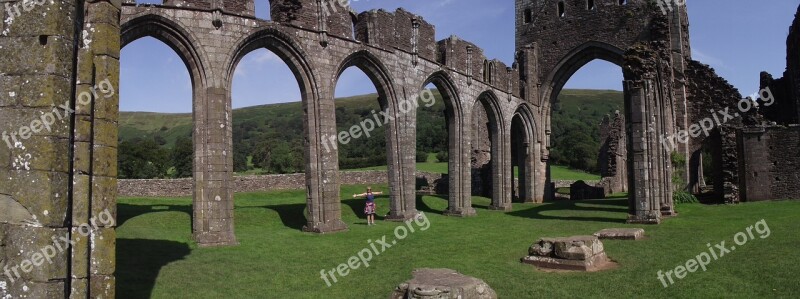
x=443, y=284
x=104, y=244
x=620, y=234
x=578, y=248
x=583, y=253
x=26, y=247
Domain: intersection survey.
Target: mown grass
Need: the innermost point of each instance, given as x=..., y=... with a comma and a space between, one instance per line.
x=156, y=257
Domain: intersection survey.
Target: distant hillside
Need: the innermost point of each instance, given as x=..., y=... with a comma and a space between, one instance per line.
x=575, y=135
x=268, y=138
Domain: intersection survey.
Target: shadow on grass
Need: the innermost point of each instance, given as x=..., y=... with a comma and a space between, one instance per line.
x=139, y=261
x=424, y=207
x=125, y=211
x=292, y=216
x=614, y=206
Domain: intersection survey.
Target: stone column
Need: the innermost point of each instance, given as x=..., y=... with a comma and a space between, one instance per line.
x=501, y=165
x=322, y=177
x=213, y=206
x=644, y=205
x=459, y=135
x=401, y=144
x=58, y=181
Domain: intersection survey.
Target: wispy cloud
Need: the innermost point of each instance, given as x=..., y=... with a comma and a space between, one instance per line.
x=708, y=59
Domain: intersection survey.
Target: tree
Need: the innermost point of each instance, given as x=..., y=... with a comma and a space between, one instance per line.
x=182, y=157
x=142, y=159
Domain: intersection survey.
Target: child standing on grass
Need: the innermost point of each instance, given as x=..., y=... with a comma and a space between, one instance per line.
x=369, y=208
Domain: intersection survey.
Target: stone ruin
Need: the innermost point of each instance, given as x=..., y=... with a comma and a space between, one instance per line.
x=66, y=175
x=578, y=253
x=442, y=284
x=613, y=157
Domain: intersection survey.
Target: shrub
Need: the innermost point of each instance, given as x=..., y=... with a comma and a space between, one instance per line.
x=682, y=197
x=443, y=157
x=422, y=157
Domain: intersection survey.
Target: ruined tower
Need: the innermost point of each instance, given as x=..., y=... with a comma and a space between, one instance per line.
x=555, y=38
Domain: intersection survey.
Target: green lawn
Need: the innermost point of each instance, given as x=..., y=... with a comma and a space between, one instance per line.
x=155, y=257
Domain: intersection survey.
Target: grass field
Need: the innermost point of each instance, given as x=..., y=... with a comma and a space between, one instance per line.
x=155, y=256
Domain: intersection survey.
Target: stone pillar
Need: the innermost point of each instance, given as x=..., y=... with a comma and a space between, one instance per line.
x=213, y=206
x=459, y=135
x=59, y=181
x=322, y=177
x=501, y=163
x=644, y=204
x=401, y=144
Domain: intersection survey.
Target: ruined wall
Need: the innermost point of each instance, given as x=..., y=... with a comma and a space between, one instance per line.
x=250, y=183
x=557, y=35
x=481, y=153
x=613, y=157
x=239, y=7
x=400, y=30
x=329, y=16
x=770, y=160
x=708, y=94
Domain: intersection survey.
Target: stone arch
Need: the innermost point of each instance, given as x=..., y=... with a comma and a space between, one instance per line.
x=284, y=47
x=212, y=224
x=524, y=153
x=501, y=196
x=401, y=179
x=174, y=36
x=322, y=217
x=575, y=60
x=459, y=181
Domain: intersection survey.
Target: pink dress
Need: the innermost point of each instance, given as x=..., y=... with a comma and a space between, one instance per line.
x=369, y=209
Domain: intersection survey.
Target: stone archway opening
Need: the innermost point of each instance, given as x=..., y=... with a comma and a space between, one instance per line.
x=523, y=155
x=488, y=152
x=440, y=108
x=171, y=35
x=263, y=141
x=320, y=217
x=587, y=130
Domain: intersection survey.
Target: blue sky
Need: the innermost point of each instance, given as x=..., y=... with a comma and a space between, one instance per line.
x=738, y=38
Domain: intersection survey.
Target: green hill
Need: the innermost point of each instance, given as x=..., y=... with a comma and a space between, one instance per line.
x=268, y=138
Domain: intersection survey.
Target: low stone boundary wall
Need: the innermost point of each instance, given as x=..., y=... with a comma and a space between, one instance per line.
x=250, y=183
x=430, y=182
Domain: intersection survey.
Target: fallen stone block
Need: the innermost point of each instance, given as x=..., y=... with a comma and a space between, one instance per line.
x=578, y=253
x=620, y=234
x=442, y=284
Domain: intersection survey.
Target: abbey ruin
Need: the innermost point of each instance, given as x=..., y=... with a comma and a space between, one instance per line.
x=65, y=176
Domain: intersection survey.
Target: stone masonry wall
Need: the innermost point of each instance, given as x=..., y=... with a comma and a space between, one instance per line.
x=771, y=157
x=251, y=183
x=613, y=156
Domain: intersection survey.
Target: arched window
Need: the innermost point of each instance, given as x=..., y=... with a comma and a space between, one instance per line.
x=561, y=9
x=623, y=2
x=486, y=71
x=590, y=5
